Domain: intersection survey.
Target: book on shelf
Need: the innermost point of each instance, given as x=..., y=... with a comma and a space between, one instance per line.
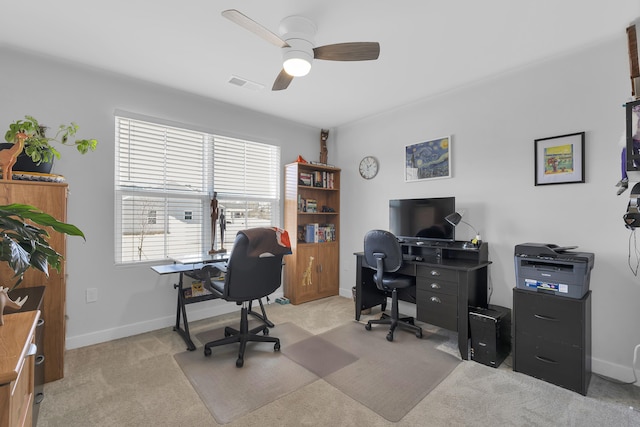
x=319, y=233
x=306, y=178
x=312, y=205
x=321, y=164
x=318, y=179
x=307, y=205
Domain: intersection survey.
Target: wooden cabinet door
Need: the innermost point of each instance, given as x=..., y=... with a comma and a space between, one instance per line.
x=328, y=269
x=307, y=279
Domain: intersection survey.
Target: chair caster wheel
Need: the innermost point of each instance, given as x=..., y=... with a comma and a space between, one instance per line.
x=207, y=351
x=419, y=334
x=276, y=347
x=389, y=337
x=367, y=326
x=239, y=362
x=227, y=334
x=265, y=331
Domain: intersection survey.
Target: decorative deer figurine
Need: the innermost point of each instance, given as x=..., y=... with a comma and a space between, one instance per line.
x=5, y=301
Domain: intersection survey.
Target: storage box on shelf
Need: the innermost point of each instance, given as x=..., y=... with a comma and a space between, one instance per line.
x=312, y=218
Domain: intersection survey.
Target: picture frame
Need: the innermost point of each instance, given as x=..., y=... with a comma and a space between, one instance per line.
x=560, y=159
x=429, y=159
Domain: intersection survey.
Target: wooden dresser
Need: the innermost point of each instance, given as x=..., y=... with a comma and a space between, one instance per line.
x=17, y=350
x=52, y=199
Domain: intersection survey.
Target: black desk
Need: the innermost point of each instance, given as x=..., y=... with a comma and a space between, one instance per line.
x=449, y=279
x=185, y=267
x=184, y=293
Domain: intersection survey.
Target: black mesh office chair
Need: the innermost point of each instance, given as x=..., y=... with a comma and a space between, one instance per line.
x=254, y=270
x=383, y=253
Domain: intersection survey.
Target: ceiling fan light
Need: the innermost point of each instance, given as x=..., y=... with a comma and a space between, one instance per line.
x=297, y=67
x=297, y=63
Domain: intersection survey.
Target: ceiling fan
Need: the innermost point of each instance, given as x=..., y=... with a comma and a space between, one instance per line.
x=298, y=48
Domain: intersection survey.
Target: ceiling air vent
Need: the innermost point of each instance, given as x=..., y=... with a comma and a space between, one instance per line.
x=247, y=84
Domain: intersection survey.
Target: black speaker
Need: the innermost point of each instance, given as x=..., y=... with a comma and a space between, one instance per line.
x=490, y=334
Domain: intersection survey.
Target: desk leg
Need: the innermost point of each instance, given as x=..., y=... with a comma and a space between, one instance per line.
x=184, y=333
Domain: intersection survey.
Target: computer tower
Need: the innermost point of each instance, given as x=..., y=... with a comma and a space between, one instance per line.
x=490, y=334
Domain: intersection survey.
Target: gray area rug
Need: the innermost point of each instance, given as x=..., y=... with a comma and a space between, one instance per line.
x=230, y=392
x=389, y=378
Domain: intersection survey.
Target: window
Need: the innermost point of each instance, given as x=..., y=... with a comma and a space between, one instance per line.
x=165, y=178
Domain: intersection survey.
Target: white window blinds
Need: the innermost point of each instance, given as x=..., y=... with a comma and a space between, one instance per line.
x=165, y=178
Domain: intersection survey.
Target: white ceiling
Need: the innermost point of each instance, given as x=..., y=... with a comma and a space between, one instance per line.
x=426, y=46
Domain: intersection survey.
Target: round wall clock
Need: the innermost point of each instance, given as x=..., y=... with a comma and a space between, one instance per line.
x=368, y=167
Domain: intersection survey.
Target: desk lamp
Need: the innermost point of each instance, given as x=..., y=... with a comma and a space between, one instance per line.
x=455, y=219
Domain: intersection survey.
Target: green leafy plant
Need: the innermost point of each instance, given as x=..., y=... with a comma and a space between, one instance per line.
x=24, y=243
x=38, y=146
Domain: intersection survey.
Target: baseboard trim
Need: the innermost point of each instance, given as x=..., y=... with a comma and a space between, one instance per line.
x=194, y=313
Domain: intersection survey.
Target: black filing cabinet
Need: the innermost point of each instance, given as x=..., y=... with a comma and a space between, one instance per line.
x=552, y=338
x=34, y=300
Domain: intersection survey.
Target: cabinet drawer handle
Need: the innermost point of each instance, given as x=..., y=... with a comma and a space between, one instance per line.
x=435, y=299
x=435, y=286
x=551, y=319
x=39, y=359
x=435, y=273
x=33, y=349
x=545, y=360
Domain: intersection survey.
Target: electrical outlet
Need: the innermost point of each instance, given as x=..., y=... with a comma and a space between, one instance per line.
x=92, y=294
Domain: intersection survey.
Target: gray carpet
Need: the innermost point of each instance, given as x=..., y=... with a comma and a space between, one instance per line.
x=351, y=359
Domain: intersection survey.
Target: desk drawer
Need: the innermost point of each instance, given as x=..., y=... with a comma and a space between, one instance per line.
x=437, y=309
x=437, y=273
x=437, y=286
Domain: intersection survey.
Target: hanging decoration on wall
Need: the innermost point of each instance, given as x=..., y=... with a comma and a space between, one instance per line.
x=560, y=159
x=428, y=160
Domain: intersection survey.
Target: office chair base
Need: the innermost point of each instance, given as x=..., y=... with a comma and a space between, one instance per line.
x=243, y=336
x=406, y=323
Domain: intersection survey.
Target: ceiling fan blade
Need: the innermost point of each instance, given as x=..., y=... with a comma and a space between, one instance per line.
x=245, y=22
x=282, y=81
x=356, y=51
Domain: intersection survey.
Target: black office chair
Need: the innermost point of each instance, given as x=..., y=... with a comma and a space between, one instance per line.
x=254, y=270
x=383, y=253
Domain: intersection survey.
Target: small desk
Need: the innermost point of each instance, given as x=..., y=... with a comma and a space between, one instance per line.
x=187, y=265
x=449, y=279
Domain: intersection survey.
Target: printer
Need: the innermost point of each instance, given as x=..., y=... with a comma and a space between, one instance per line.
x=549, y=268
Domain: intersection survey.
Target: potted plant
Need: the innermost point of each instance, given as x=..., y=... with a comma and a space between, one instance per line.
x=24, y=244
x=40, y=149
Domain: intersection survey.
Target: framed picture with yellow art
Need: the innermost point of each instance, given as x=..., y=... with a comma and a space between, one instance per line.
x=560, y=159
x=428, y=160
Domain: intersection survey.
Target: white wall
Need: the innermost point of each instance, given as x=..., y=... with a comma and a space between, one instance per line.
x=493, y=126
x=130, y=299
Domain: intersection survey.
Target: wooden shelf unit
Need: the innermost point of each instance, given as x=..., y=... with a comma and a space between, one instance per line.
x=312, y=271
x=52, y=199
